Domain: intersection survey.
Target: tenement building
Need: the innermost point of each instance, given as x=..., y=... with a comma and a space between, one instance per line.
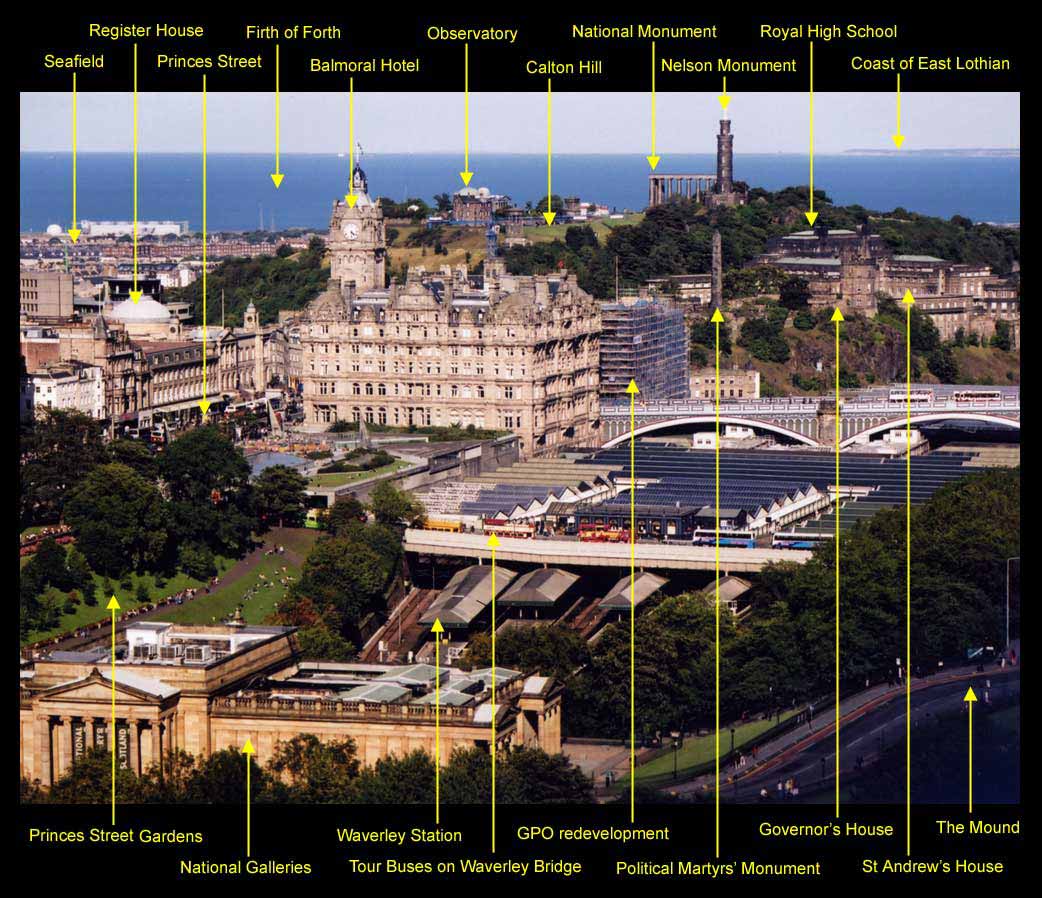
x=202, y=689
x=502, y=352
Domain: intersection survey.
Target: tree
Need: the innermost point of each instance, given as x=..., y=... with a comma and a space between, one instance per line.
x=210, y=496
x=120, y=519
x=703, y=332
x=135, y=454
x=89, y=781
x=346, y=510
x=397, y=781
x=392, y=506
x=279, y=495
x=196, y=561
x=344, y=574
x=57, y=451
x=221, y=779
x=941, y=363
x=794, y=294
x=49, y=561
x=550, y=651
x=80, y=576
x=315, y=772
x=1003, y=337
x=319, y=643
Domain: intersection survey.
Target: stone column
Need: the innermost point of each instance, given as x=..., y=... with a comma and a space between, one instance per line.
x=63, y=740
x=88, y=732
x=134, y=737
x=157, y=752
x=42, y=754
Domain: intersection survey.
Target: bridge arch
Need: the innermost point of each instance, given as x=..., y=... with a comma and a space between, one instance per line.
x=711, y=419
x=953, y=415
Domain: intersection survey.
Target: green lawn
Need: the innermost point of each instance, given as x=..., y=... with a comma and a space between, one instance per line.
x=601, y=227
x=265, y=591
x=351, y=476
x=89, y=614
x=699, y=750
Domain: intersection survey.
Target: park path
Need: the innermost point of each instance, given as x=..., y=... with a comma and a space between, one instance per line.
x=242, y=568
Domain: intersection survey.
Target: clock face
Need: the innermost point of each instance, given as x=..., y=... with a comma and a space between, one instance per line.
x=351, y=230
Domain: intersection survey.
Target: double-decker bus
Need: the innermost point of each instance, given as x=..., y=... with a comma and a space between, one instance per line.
x=738, y=539
x=976, y=395
x=603, y=533
x=505, y=527
x=918, y=395
x=799, y=540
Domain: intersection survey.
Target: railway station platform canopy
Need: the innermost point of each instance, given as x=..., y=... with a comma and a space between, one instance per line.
x=541, y=588
x=466, y=596
x=645, y=585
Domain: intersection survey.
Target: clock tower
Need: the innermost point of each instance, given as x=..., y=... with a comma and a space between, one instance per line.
x=357, y=240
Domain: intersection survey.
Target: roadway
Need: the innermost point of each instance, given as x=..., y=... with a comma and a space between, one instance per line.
x=570, y=552
x=867, y=732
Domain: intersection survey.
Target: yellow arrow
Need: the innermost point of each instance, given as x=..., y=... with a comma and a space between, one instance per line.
x=466, y=174
x=351, y=196
x=135, y=294
x=74, y=232
x=633, y=391
x=724, y=99
x=204, y=403
x=837, y=317
x=717, y=319
x=908, y=301
x=493, y=543
x=898, y=138
x=113, y=607
x=277, y=175
x=812, y=216
x=549, y=214
x=971, y=698
x=437, y=630
x=248, y=750
x=653, y=160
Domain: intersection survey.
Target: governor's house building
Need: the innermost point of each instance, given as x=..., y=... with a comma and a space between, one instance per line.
x=205, y=688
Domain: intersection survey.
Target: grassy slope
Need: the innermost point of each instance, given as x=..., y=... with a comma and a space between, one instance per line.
x=267, y=590
x=88, y=614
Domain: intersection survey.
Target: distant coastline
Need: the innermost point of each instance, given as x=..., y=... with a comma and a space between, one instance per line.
x=978, y=153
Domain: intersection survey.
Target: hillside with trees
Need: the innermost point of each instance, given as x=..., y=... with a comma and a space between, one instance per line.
x=281, y=281
x=676, y=238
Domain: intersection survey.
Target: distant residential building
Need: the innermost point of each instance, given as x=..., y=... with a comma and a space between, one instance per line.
x=645, y=340
x=735, y=383
x=45, y=294
x=65, y=386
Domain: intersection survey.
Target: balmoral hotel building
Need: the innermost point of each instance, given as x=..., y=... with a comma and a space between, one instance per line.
x=500, y=352
x=206, y=688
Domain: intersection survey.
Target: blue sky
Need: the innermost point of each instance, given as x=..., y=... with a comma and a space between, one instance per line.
x=501, y=123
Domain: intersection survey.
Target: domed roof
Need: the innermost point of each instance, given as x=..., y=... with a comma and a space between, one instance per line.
x=145, y=309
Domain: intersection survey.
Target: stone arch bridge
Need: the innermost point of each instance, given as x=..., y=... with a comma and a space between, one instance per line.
x=809, y=420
